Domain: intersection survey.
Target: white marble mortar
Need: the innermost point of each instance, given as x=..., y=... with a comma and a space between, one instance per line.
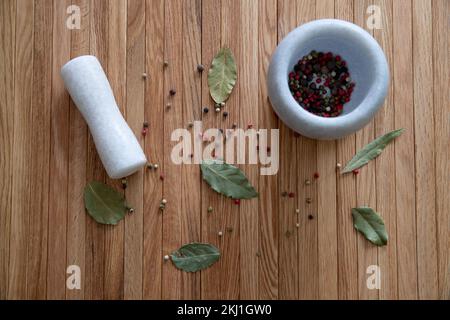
x=367, y=66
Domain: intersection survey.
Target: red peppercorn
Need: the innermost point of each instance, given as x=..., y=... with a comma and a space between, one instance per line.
x=291, y=194
x=237, y=201
x=161, y=177
x=249, y=126
x=144, y=131
x=355, y=172
x=316, y=175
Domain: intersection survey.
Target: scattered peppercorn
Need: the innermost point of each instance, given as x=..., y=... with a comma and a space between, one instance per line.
x=310, y=217
x=225, y=114
x=234, y=126
x=217, y=110
x=200, y=68
x=124, y=183
x=164, y=201
x=205, y=110
x=130, y=210
x=166, y=258
x=284, y=194
x=166, y=63
x=291, y=194
x=210, y=209
x=155, y=166
x=308, y=200
x=220, y=233
x=161, y=177
x=172, y=92
x=190, y=125
x=168, y=105
x=316, y=175
x=149, y=166
x=144, y=131
x=307, y=182
x=338, y=165
x=297, y=225
x=144, y=75
x=355, y=172
x=237, y=201
x=145, y=124
x=297, y=211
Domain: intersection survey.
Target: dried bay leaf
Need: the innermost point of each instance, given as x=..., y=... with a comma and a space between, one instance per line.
x=370, y=224
x=104, y=204
x=227, y=180
x=195, y=256
x=371, y=150
x=222, y=75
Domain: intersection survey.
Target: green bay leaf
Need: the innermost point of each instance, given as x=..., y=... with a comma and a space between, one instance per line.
x=370, y=224
x=227, y=180
x=104, y=204
x=195, y=256
x=222, y=75
x=371, y=150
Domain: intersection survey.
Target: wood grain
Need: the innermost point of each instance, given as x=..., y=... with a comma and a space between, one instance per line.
x=154, y=149
x=288, y=245
x=268, y=184
x=425, y=150
x=133, y=252
x=268, y=250
x=59, y=162
x=404, y=151
x=7, y=63
x=441, y=42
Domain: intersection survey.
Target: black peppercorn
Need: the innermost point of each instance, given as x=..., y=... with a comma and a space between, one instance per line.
x=205, y=110
x=172, y=92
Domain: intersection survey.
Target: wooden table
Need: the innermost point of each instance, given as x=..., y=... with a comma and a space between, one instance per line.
x=47, y=156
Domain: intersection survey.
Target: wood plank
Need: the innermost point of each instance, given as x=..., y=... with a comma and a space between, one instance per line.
x=117, y=58
x=57, y=214
x=134, y=114
x=95, y=233
x=326, y=199
x=190, y=173
x=248, y=113
x=173, y=78
x=39, y=178
x=211, y=222
x=306, y=159
x=425, y=150
x=78, y=133
x=404, y=150
x=365, y=184
x=228, y=213
x=385, y=170
x=441, y=42
x=21, y=156
x=268, y=184
x=346, y=198
x=7, y=63
x=288, y=245
x=154, y=114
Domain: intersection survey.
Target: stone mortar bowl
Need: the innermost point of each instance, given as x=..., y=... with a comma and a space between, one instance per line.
x=367, y=66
